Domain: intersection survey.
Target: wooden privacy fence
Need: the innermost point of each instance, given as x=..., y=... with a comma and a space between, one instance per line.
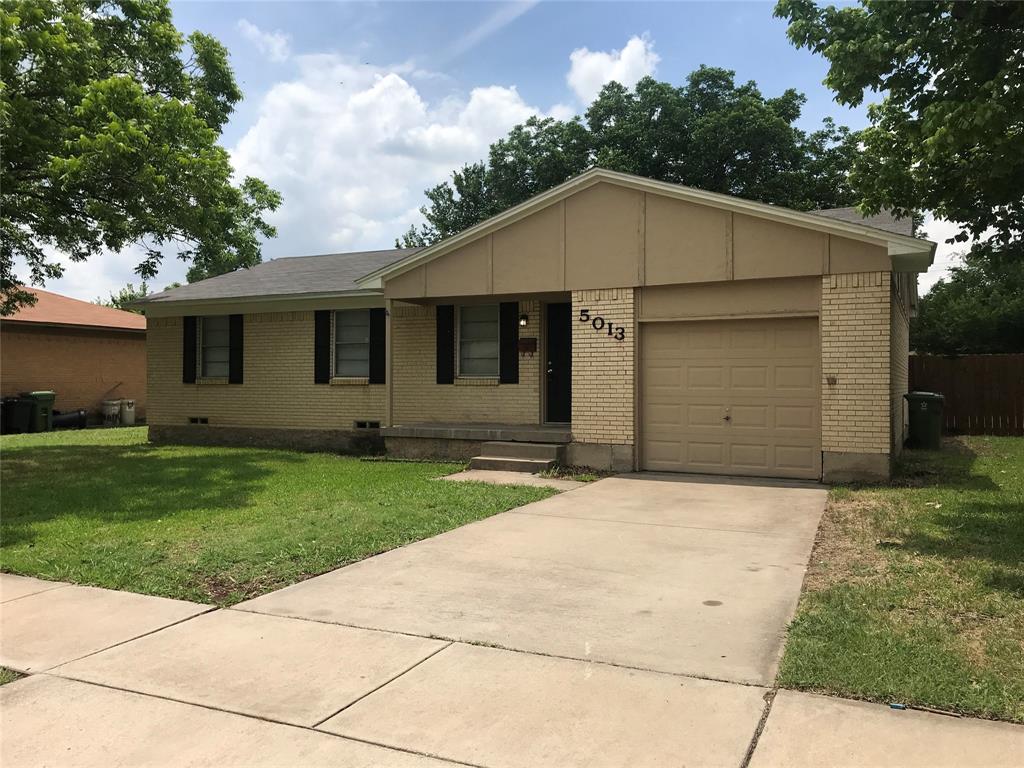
x=984, y=393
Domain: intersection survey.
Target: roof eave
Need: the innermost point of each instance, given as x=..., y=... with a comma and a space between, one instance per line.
x=258, y=298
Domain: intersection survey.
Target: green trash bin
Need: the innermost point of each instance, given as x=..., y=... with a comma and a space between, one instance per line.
x=42, y=410
x=925, y=412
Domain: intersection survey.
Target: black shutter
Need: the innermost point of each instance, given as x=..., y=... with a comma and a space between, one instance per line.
x=508, y=356
x=378, y=345
x=236, y=336
x=322, y=346
x=446, y=344
x=188, y=350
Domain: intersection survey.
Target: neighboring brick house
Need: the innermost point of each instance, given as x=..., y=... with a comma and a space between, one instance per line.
x=84, y=352
x=642, y=324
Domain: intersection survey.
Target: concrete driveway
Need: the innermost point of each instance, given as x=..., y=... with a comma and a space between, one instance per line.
x=649, y=572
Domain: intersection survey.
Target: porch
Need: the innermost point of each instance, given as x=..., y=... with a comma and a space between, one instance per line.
x=462, y=441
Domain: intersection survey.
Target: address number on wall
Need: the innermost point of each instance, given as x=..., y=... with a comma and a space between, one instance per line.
x=599, y=324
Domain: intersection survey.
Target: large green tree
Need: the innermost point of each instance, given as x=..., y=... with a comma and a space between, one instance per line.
x=710, y=133
x=948, y=132
x=979, y=308
x=110, y=121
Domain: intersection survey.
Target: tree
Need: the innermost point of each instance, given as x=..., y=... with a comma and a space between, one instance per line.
x=979, y=308
x=110, y=121
x=948, y=135
x=709, y=133
x=125, y=296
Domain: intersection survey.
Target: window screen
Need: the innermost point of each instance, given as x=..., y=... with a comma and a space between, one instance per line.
x=216, y=349
x=352, y=343
x=478, y=340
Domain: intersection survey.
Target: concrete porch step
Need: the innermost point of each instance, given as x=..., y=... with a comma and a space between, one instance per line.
x=545, y=451
x=510, y=464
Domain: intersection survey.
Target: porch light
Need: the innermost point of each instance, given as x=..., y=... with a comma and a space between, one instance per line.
x=523, y=320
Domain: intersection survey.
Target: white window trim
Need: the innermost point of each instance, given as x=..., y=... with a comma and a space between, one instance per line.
x=335, y=377
x=458, y=347
x=201, y=378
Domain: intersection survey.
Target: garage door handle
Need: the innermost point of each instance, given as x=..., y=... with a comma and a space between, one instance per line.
x=727, y=417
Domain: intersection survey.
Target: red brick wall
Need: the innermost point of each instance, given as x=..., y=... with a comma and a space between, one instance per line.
x=83, y=366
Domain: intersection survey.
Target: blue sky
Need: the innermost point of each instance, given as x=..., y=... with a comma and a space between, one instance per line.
x=351, y=110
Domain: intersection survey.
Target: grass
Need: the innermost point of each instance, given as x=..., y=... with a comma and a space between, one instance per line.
x=915, y=591
x=8, y=675
x=103, y=507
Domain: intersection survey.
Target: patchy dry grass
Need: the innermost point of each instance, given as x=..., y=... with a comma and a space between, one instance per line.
x=915, y=590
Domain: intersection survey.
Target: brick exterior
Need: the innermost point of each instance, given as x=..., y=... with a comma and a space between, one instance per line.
x=899, y=346
x=603, y=369
x=83, y=366
x=417, y=397
x=855, y=347
x=278, y=389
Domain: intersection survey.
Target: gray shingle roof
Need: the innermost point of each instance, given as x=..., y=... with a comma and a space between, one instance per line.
x=295, y=275
x=884, y=220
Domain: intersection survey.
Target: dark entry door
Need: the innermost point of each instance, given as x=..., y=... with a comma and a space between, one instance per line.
x=559, y=360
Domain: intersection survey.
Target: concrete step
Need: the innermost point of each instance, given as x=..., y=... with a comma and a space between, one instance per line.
x=546, y=451
x=506, y=464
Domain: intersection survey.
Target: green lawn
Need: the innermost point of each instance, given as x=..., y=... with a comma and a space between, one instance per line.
x=220, y=525
x=8, y=675
x=915, y=593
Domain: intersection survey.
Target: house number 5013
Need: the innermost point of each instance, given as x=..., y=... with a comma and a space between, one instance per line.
x=599, y=324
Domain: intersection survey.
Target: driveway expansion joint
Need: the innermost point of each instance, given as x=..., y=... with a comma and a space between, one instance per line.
x=769, y=699
x=497, y=646
x=382, y=685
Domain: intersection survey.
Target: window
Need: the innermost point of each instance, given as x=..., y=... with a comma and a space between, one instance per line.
x=352, y=343
x=478, y=340
x=215, y=348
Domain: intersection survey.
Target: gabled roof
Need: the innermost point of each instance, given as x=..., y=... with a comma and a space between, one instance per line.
x=908, y=253
x=332, y=274
x=54, y=309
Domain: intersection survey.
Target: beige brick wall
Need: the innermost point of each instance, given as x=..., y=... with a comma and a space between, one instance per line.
x=899, y=346
x=278, y=388
x=603, y=369
x=418, y=397
x=855, y=348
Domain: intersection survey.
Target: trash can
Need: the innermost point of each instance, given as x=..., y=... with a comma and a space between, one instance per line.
x=17, y=415
x=42, y=410
x=925, y=411
x=71, y=419
x=127, y=413
x=111, y=413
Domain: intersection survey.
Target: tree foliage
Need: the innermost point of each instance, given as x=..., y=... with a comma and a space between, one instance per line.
x=979, y=308
x=948, y=135
x=110, y=121
x=710, y=133
x=122, y=298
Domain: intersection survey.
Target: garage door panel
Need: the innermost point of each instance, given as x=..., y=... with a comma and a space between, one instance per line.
x=802, y=378
x=700, y=377
x=707, y=455
x=763, y=373
x=794, y=417
x=750, y=417
x=750, y=377
x=797, y=458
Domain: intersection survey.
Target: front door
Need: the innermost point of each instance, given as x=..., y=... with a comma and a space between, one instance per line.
x=559, y=364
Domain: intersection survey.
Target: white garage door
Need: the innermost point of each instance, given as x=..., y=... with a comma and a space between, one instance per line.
x=735, y=397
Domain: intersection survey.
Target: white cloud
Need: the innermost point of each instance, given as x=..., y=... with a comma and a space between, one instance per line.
x=352, y=147
x=275, y=45
x=946, y=254
x=590, y=70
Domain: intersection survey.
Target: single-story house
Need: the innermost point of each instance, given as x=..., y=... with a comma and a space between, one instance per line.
x=616, y=321
x=84, y=352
